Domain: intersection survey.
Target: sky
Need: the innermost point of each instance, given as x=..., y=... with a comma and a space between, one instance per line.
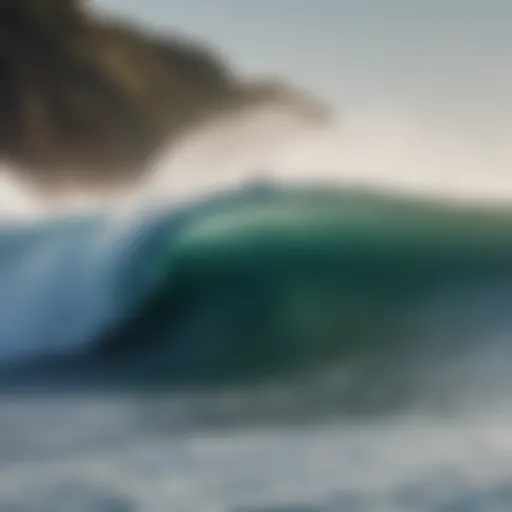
x=423, y=87
x=431, y=56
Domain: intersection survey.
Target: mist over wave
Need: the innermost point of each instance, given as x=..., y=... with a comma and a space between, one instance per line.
x=375, y=148
x=380, y=148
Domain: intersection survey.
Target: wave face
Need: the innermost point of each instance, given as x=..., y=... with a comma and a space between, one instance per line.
x=255, y=284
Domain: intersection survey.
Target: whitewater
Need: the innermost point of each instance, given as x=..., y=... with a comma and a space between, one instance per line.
x=287, y=445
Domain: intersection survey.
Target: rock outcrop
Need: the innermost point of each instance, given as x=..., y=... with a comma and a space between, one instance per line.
x=87, y=99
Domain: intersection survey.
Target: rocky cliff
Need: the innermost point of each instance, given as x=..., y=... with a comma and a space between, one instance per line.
x=88, y=99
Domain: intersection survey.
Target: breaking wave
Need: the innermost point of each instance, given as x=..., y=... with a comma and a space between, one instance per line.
x=228, y=261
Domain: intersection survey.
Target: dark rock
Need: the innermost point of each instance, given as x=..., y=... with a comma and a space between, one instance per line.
x=87, y=100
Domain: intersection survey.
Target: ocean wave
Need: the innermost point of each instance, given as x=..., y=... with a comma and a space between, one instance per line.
x=229, y=262
x=254, y=284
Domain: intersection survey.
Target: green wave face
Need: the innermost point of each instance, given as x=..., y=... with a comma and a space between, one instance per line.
x=311, y=279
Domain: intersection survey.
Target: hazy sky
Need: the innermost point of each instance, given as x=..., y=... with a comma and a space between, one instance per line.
x=424, y=86
x=428, y=54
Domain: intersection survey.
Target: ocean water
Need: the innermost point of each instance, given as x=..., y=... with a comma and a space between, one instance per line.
x=250, y=347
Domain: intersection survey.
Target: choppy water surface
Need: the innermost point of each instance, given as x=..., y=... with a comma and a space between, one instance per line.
x=203, y=453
